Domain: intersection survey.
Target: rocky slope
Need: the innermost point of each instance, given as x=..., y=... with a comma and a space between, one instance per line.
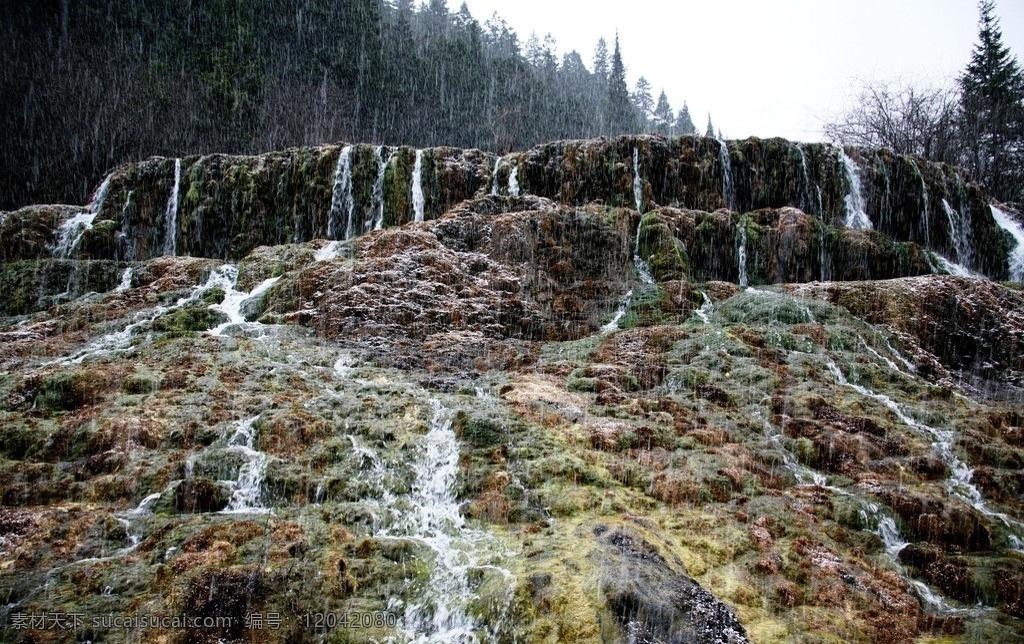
x=614, y=390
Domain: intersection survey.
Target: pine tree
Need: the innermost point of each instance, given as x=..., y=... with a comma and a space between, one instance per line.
x=620, y=111
x=710, y=131
x=663, y=116
x=992, y=110
x=601, y=60
x=642, y=98
x=684, y=123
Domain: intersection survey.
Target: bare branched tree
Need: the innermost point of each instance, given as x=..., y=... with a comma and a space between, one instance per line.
x=908, y=117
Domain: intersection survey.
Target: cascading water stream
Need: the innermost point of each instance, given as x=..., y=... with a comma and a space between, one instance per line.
x=642, y=267
x=1012, y=226
x=246, y=493
x=960, y=234
x=231, y=306
x=706, y=308
x=728, y=190
x=70, y=233
x=856, y=216
x=742, y=251
x=430, y=515
x=925, y=216
x=417, y=186
x=171, y=215
x=494, y=176
x=376, y=215
x=638, y=184
x=126, y=280
x=341, y=196
x=513, y=182
x=806, y=200
x=613, y=325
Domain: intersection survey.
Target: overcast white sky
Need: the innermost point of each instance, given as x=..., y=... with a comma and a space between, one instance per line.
x=764, y=67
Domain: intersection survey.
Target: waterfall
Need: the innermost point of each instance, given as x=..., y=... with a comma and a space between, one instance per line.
x=1012, y=226
x=329, y=251
x=417, y=186
x=126, y=281
x=513, y=182
x=728, y=191
x=638, y=185
x=69, y=235
x=246, y=495
x=171, y=217
x=375, y=221
x=231, y=306
x=924, y=197
x=619, y=313
x=706, y=309
x=960, y=234
x=856, y=217
x=824, y=257
x=430, y=515
x=642, y=267
x=494, y=176
x=341, y=196
x=742, y=253
x=806, y=201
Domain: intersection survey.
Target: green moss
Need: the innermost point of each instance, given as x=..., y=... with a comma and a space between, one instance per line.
x=188, y=322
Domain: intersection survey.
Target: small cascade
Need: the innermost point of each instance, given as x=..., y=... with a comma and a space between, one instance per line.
x=494, y=176
x=1012, y=226
x=417, y=186
x=69, y=235
x=960, y=233
x=231, y=306
x=513, y=182
x=926, y=203
x=246, y=495
x=742, y=252
x=728, y=190
x=171, y=216
x=341, y=196
x=126, y=280
x=806, y=200
x=872, y=514
x=824, y=256
x=328, y=252
x=706, y=309
x=343, y=365
x=130, y=518
x=638, y=184
x=440, y=611
x=952, y=268
x=804, y=475
x=376, y=220
x=642, y=267
x=856, y=217
x=613, y=325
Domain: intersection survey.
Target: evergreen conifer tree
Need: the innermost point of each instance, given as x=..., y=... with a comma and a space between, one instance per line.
x=710, y=131
x=620, y=110
x=684, y=122
x=992, y=110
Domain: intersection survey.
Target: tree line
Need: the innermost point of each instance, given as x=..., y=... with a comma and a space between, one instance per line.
x=89, y=84
x=977, y=122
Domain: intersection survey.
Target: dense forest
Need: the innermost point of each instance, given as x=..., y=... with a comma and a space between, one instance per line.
x=89, y=84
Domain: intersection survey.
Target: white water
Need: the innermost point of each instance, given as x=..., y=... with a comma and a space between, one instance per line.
x=953, y=268
x=742, y=253
x=377, y=200
x=638, y=184
x=960, y=233
x=141, y=320
x=329, y=251
x=171, y=216
x=430, y=515
x=623, y=307
x=231, y=306
x=642, y=267
x=246, y=495
x=706, y=309
x=856, y=217
x=494, y=176
x=806, y=202
x=1012, y=226
x=343, y=365
x=341, y=196
x=728, y=191
x=417, y=186
x=513, y=182
x=126, y=280
x=69, y=235
x=924, y=197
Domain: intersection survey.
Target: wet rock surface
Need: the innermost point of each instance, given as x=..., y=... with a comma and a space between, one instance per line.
x=543, y=416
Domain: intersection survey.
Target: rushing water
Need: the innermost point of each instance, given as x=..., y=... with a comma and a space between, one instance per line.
x=226, y=278
x=1012, y=226
x=742, y=251
x=513, y=182
x=417, y=186
x=494, y=176
x=728, y=189
x=960, y=234
x=341, y=197
x=856, y=216
x=613, y=325
x=246, y=492
x=171, y=215
x=69, y=235
x=638, y=184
